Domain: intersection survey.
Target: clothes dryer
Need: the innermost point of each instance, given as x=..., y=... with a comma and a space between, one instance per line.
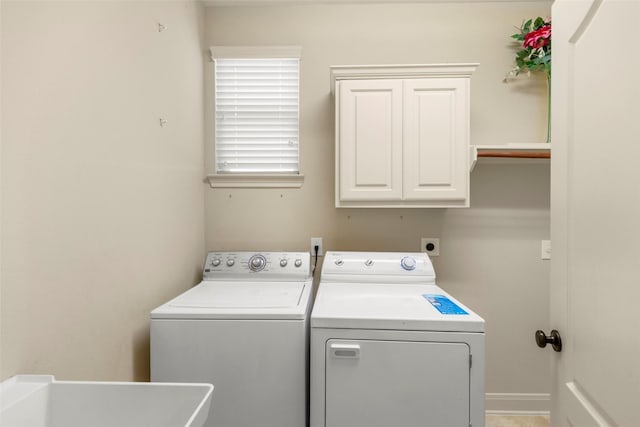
x=245, y=329
x=391, y=348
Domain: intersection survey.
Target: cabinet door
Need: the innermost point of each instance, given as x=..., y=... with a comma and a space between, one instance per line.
x=436, y=140
x=369, y=151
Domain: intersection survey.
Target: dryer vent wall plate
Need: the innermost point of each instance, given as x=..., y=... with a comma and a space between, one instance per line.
x=430, y=245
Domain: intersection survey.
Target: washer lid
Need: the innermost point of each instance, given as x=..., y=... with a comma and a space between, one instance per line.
x=391, y=306
x=239, y=300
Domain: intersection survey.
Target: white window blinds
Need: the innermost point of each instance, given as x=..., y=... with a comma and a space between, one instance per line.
x=256, y=115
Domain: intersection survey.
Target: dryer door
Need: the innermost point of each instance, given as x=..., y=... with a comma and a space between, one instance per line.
x=397, y=383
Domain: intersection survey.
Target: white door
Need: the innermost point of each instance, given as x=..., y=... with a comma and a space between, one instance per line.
x=370, y=140
x=595, y=214
x=436, y=140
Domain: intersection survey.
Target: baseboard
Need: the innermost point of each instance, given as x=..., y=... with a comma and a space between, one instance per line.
x=526, y=414
x=518, y=404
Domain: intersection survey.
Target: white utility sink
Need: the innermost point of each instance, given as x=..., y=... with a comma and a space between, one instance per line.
x=41, y=401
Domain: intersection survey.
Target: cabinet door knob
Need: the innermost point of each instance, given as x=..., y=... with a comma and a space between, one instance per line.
x=554, y=339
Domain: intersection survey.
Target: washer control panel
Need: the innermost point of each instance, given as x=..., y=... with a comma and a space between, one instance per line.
x=257, y=265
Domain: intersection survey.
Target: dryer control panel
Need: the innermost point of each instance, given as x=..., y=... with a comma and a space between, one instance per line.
x=370, y=267
x=243, y=265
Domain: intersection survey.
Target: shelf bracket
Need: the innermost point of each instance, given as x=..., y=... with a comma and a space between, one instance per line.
x=473, y=157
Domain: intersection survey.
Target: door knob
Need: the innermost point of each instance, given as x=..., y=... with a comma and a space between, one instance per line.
x=554, y=339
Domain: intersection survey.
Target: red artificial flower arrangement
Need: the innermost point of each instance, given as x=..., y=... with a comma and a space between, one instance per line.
x=538, y=38
x=535, y=54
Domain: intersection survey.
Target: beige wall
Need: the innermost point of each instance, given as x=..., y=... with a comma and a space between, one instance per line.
x=102, y=209
x=490, y=254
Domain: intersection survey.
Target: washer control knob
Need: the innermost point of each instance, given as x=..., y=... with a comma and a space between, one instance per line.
x=215, y=262
x=368, y=262
x=297, y=262
x=257, y=262
x=283, y=262
x=230, y=262
x=408, y=263
x=338, y=262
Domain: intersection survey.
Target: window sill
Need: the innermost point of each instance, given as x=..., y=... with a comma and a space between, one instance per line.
x=255, y=180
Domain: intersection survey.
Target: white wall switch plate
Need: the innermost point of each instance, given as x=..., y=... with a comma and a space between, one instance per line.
x=546, y=249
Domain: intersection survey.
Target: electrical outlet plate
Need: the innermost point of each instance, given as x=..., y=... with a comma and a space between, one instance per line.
x=430, y=240
x=316, y=241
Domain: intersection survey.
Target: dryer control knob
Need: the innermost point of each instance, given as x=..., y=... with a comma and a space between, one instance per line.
x=408, y=263
x=298, y=262
x=230, y=262
x=283, y=262
x=368, y=262
x=339, y=262
x=215, y=262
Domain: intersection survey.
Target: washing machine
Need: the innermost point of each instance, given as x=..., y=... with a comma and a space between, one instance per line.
x=245, y=329
x=391, y=348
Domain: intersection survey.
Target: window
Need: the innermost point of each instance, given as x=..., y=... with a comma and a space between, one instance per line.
x=256, y=98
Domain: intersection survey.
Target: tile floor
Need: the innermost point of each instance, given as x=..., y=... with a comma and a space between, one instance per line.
x=517, y=421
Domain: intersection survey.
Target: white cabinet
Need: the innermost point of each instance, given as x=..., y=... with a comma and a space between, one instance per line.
x=402, y=135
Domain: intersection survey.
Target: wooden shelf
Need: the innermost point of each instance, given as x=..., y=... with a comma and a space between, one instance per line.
x=517, y=152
